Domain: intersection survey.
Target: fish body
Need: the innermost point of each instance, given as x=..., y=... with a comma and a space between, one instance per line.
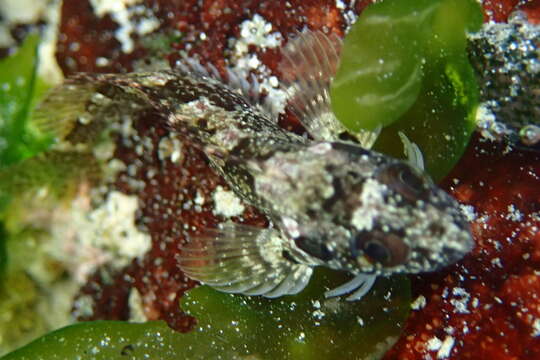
x=330, y=202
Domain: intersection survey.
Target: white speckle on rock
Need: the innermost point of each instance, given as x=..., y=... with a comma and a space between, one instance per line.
x=514, y=214
x=468, y=211
x=433, y=344
x=83, y=306
x=227, y=203
x=257, y=31
x=419, y=303
x=130, y=19
x=461, y=300
x=536, y=327
x=446, y=347
x=91, y=237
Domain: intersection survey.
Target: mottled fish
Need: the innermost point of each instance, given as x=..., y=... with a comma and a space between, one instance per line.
x=330, y=200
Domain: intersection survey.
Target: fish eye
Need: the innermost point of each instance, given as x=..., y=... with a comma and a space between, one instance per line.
x=405, y=180
x=387, y=249
x=377, y=251
x=313, y=247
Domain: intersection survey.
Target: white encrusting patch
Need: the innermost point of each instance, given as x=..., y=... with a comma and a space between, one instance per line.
x=443, y=348
x=130, y=17
x=19, y=12
x=103, y=235
x=258, y=32
x=227, y=203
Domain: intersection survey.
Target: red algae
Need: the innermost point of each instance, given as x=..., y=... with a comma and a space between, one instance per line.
x=499, y=10
x=487, y=305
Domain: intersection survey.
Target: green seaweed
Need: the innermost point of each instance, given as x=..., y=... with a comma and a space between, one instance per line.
x=404, y=66
x=305, y=326
x=19, y=90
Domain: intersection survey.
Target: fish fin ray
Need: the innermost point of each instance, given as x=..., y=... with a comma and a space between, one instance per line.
x=412, y=152
x=309, y=63
x=357, y=286
x=227, y=260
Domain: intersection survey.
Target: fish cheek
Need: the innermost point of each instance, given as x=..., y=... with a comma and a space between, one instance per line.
x=314, y=247
x=386, y=249
x=399, y=250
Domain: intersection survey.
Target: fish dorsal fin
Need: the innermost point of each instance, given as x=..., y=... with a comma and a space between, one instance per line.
x=239, y=81
x=243, y=259
x=308, y=66
x=309, y=62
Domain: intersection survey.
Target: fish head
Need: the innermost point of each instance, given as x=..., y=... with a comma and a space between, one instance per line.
x=358, y=210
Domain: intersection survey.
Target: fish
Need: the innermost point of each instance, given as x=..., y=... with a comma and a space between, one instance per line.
x=330, y=200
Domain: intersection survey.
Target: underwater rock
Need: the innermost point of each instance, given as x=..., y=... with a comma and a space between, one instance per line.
x=506, y=57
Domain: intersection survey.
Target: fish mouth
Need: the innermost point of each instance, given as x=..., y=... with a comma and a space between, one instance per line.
x=454, y=250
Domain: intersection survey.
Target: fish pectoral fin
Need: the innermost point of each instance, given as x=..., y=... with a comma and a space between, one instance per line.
x=357, y=286
x=243, y=259
x=412, y=151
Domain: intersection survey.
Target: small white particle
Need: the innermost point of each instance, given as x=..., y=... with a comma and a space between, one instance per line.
x=446, y=348
x=468, y=211
x=433, y=344
x=136, y=307
x=340, y=4
x=514, y=214
x=419, y=303
x=536, y=327
x=101, y=61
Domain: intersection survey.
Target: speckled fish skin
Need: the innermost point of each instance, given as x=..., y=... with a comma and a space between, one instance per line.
x=335, y=200
x=331, y=203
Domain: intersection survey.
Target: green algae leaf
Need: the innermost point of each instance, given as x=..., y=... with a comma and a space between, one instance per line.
x=305, y=326
x=404, y=66
x=105, y=340
x=19, y=87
